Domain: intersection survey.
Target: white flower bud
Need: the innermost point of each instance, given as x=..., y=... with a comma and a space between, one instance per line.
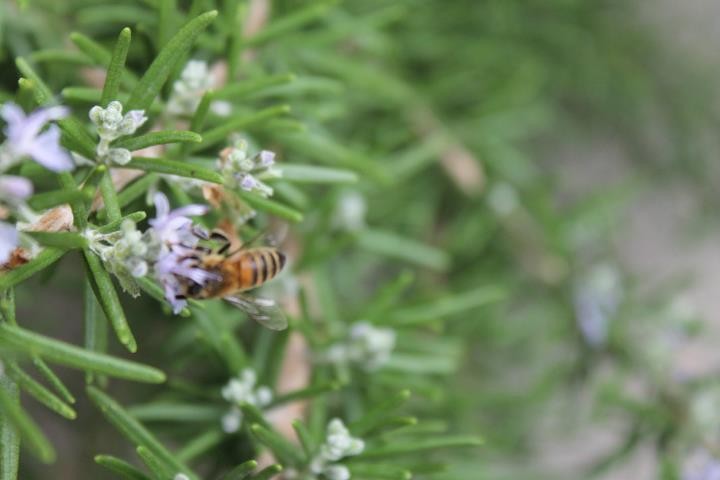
x=133, y=120
x=349, y=214
x=181, y=476
x=248, y=377
x=317, y=465
x=140, y=269
x=263, y=396
x=223, y=108
x=95, y=115
x=242, y=390
x=112, y=124
x=336, y=472
x=338, y=444
x=119, y=156
x=371, y=346
x=245, y=164
x=194, y=81
x=231, y=421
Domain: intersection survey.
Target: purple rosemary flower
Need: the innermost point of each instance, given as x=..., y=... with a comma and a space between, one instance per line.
x=8, y=241
x=174, y=227
x=248, y=172
x=25, y=139
x=175, y=267
x=173, y=270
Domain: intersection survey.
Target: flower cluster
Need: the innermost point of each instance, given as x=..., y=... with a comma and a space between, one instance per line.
x=194, y=81
x=168, y=248
x=366, y=346
x=25, y=138
x=338, y=445
x=111, y=124
x=177, y=236
x=126, y=253
x=239, y=390
x=248, y=172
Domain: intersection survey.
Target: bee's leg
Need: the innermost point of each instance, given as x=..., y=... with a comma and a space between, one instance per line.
x=200, y=232
x=220, y=236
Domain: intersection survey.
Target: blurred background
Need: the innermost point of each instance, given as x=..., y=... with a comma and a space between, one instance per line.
x=564, y=151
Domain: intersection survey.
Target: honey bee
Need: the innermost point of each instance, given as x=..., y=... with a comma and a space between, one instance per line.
x=236, y=272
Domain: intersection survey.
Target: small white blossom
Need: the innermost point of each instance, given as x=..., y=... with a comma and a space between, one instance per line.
x=366, y=346
x=24, y=138
x=119, y=156
x=349, y=214
x=242, y=389
x=126, y=253
x=248, y=172
x=222, y=108
x=291, y=474
x=338, y=445
x=371, y=346
x=337, y=472
x=181, y=476
x=239, y=390
x=112, y=124
x=232, y=420
x=194, y=81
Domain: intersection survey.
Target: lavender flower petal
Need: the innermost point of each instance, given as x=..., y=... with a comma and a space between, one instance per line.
x=13, y=116
x=162, y=207
x=46, y=151
x=267, y=158
x=9, y=241
x=14, y=189
x=24, y=137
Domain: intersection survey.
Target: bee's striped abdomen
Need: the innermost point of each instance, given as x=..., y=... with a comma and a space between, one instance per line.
x=259, y=265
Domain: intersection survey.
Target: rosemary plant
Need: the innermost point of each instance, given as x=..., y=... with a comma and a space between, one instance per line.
x=432, y=290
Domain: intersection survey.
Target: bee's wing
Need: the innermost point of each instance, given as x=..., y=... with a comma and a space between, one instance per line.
x=265, y=311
